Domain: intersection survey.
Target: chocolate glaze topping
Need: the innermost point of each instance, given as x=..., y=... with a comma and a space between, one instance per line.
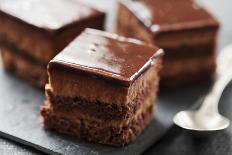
x=49, y=14
x=107, y=55
x=169, y=15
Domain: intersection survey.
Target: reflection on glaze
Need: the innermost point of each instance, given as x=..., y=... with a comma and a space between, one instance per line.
x=142, y=11
x=108, y=54
x=167, y=14
x=85, y=51
x=51, y=14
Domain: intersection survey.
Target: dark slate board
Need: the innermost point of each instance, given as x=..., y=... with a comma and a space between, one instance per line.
x=19, y=120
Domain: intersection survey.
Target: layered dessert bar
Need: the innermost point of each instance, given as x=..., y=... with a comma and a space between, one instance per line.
x=32, y=32
x=185, y=30
x=102, y=88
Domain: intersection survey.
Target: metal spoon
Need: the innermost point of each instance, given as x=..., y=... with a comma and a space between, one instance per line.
x=207, y=118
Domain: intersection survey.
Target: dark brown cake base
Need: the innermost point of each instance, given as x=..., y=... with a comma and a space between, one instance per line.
x=100, y=134
x=24, y=68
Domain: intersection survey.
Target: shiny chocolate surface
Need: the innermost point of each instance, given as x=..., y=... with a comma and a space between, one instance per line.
x=107, y=55
x=50, y=14
x=168, y=15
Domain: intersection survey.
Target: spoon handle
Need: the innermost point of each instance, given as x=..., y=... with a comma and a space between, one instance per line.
x=210, y=103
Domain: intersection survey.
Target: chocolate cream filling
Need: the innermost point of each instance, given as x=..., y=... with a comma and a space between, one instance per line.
x=104, y=111
x=118, y=136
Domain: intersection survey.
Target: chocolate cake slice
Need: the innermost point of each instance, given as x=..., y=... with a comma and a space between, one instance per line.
x=32, y=32
x=184, y=29
x=102, y=87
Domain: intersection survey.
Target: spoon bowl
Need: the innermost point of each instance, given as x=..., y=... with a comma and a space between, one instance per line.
x=195, y=121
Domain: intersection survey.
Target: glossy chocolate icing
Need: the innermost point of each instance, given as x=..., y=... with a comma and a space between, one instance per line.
x=49, y=14
x=107, y=55
x=169, y=15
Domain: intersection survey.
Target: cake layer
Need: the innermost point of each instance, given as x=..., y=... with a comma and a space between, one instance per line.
x=194, y=51
x=94, y=90
x=24, y=68
x=195, y=37
x=43, y=44
x=183, y=71
x=23, y=53
x=101, y=110
x=102, y=133
x=198, y=78
x=189, y=65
